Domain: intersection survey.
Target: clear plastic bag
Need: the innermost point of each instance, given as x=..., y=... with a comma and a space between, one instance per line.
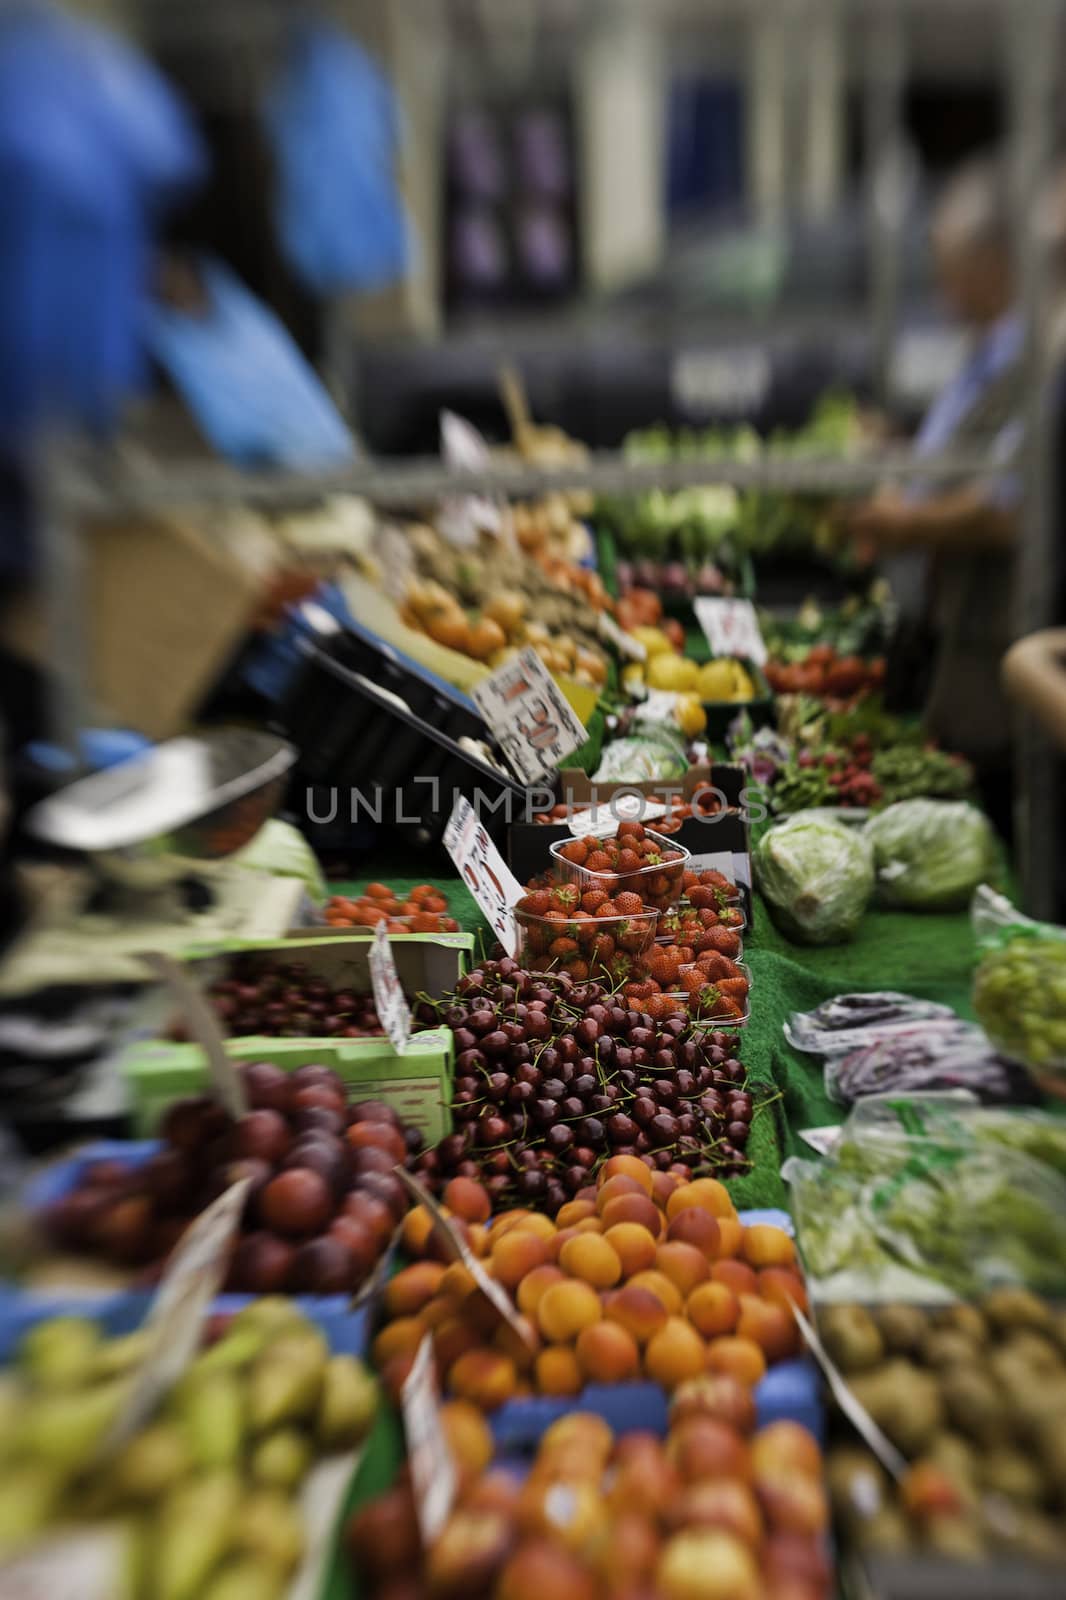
x=1019, y=990
x=930, y=855
x=816, y=875
x=847, y=1021
x=943, y=1054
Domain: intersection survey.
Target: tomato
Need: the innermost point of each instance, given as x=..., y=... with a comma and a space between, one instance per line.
x=820, y=655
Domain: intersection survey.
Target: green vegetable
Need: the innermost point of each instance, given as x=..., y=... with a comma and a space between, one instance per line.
x=931, y=854
x=906, y=772
x=816, y=875
x=1019, y=996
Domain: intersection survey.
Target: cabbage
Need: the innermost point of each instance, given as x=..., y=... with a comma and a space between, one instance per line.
x=931, y=854
x=816, y=874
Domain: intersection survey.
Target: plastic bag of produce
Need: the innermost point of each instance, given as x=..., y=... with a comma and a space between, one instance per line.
x=1019, y=990
x=931, y=854
x=816, y=875
x=650, y=755
x=841, y=1024
x=932, y=1055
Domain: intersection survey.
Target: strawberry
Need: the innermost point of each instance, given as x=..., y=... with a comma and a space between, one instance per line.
x=562, y=947
x=592, y=900
x=628, y=861
x=536, y=903
x=602, y=948
x=702, y=896
x=598, y=860
x=564, y=897
x=607, y=909
x=725, y=940
x=577, y=968
x=631, y=830
x=689, y=879
x=575, y=850
x=642, y=990
x=692, y=980
x=631, y=936
x=663, y=967
x=628, y=903
x=735, y=989
x=620, y=966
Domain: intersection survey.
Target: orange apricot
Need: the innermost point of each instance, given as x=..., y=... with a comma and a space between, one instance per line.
x=772, y=1328
x=675, y=1353
x=536, y=1223
x=467, y=1199
x=663, y=1185
x=589, y=1225
x=638, y=1310
x=453, y=1339
x=606, y=1353
x=633, y=1245
x=556, y=1244
x=591, y=1259
x=456, y=1282
x=695, y=1226
x=437, y=1311
x=401, y=1337
x=417, y=1227
x=786, y=1447
x=565, y=1308
x=704, y=1447
x=506, y=1220
x=478, y=1239
x=516, y=1254
x=617, y=1186
x=556, y=1371
x=720, y=1503
x=486, y=1377
x=713, y=1309
x=682, y=1263
x=633, y=1208
x=730, y=1234
x=763, y=1245
x=706, y=1193
x=412, y=1288
x=664, y=1289
x=589, y=1434
x=782, y=1286
x=740, y=1358
x=736, y=1276
x=468, y=1437
x=628, y=1167
x=573, y=1212
x=533, y=1286
x=715, y=1394
x=521, y=1347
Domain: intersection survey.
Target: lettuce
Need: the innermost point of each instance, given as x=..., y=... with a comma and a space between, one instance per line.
x=816, y=875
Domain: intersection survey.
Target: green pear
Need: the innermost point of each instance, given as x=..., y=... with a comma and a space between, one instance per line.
x=348, y=1404
x=246, y=1579
x=117, y=1357
x=60, y=1353
x=281, y=1460
x=269, y=1526
x=12, y=1402
x=236, y=1349
x=286, y=1382
x=66, y=1430
x=152, y=1463
x=28, y=1498
x=271, y=1314
x=212, y=1415
x=193, y=1532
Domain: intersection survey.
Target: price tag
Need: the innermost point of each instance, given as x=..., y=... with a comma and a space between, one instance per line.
x=433, y=1473
x=822, y=1140
x=624, y=643
x=462, y=517
x=390, y=1002
x=712, y=861
x=659, y=705
x=530, y=717
x=483, y=869
x=84, y=1566
x=603, y=820
x=202, y=1025
x=195, y=1275
x=732, y=628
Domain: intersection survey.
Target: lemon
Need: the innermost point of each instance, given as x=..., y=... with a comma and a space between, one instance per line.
x=654, y=640
x=716, y=680
x=633, y=677
x=671, y=672
x=743, y=688
x=691, y=717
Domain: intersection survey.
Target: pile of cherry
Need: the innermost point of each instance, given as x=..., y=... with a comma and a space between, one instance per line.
x=553, y=1076
x=283, y=1000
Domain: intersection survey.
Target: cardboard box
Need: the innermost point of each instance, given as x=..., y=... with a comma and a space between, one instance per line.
x=426, y=963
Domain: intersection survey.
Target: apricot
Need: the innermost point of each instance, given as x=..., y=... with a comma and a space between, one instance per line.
x=468, y=1437
x=456, y=1282
x=560, y=1239
x=467, y=1199
x=589, y=1225
x=736, y=1276
x=572, y=1511
x=614, y=1188
x=730, y=1234
x=592, y=1259
x=480, y=1312
x=707, y=1564
x=695, y=1226
x=715, y=1394
x=533, y=1286
x=720, y=1503
x=506, y=1220
x=556, y=1371
x=487, y=1377
x=542, y=1227
x=663, y=1185
x=633, y=1208
x=437, y=1311
x=675, y=1353
x=439, y=1247
x=412, y=1288
x=607, y=1353
x=712, y=1309
x=521, y=1347
x=417, y=1227
x=763, y=1245
x=394, y=1374
x=565, y=1308
x=478, y=1239
x=400, y=1337
x=629, y=1556
x=683, y=1264
x=703, y=1447
x=642, y=1481
x=640, y=1312
x=498, y=1490
x=781, y=1286
x=786, y=1447
x=628, y=1167
x=740, y=1358
x=662, y=1287
x=467, y=1553
x=573, y=1212
x=772, y=1328
x=452, y=1339
x=633, y=1245
x=792, y=1502
x=584, y=1429
x=516, y=1254
x=539, y=1568
x=706, y=1193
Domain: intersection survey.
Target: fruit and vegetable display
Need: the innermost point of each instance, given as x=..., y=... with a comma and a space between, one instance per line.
x=717, y=1510
x=324, y=1199
x=974, y=1397
x=419, y=910
x=646, y=1272
x=667, y=667
x=816, y=875
x=205, y=1492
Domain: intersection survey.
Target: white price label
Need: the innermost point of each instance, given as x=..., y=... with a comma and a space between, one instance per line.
x=390, y=1001
x=432, y=1468
x=462, y=517
x=712, y=861
x=732, y=628
x=822, y=1140
x=483, y=869
x=195, y=1275
x=603, y=820
x=624, y=643
x=530, y=717
x=84, y=1566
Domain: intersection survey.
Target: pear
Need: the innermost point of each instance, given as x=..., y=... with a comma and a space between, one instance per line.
x=12, y=1401
x=152, y=1463
x=272, y=1313
x=348, y=1405
x=246, y=1579
x=286, y=1382
x=281, y=1460
x=236, y=1349
x=212, y=1414
x=60, y=1353
x=27, y=1499
x=66, y=1430
x=192, y=1534
x=269, y=1526
x=117, y=1357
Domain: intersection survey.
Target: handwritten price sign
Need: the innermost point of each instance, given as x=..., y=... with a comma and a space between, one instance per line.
x=390, y=1002
x=732, y=628
x=531, y=719
x=483, y=869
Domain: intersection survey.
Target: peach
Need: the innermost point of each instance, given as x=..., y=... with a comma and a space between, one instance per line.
x=740, y=1358
x=781, y=1286
x=706, y=1564
x=643, y=1482
x=457, y=1281
x=683, y=1264
x=589, y=1225
x=633, y=1208
x=539, y=1568
x=400, y=1337
x=715, y=1394
x=695, y=1226
x=585, y=1429
x=736, y=1276
x=661, y=1286
x=614, y=1188
x=706, y=1193
x=467, y=1199
x=663, y=1185
x=720, y=1503
x=786, y=1447
x=467, y=1553
x=591, y=1259
x=792, y=1502
x=629, y=1556
x=556, y=1371
x=452, y=1339
x=468, y=1437
x=417, y=1227
x=573, y=1212
x=773, y=1329
x=535, y=1223
x=675, y=1353
x=640, y=1312
x=712, y=1309
x=633, y=1245
x=763, y=1245
x=521, y=1347
x=487, y=1377
x=565, y=1308
x=606, y=1353
x=629, y=1167
x=516, y=1254
x=533, y=1286
x=730, y=1234
x=412, y=1288
x=702, y=1447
